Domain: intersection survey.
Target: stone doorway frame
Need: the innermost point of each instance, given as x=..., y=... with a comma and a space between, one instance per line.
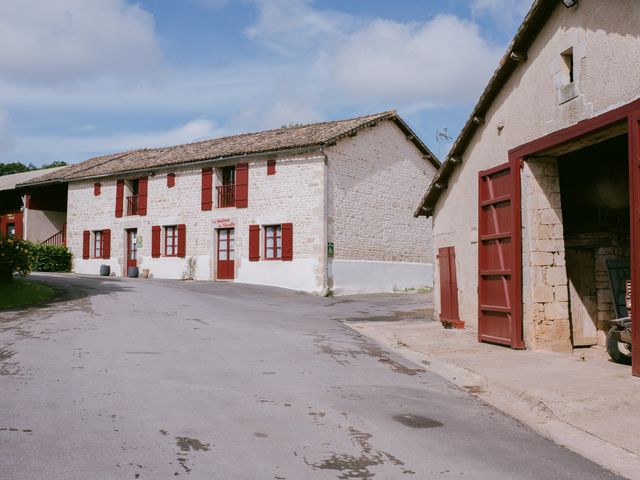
x=624, y=119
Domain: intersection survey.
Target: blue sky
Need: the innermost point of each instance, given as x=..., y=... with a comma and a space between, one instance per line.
x=81, y=78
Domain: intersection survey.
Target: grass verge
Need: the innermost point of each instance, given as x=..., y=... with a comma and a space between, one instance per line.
x=20, y=293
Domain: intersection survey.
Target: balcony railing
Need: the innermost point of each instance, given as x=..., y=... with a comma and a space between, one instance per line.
x=226, y=195
x=132, y=205
x=59, y=238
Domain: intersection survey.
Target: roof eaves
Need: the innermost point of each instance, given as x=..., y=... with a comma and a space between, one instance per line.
x=393, y=116
x=533, y=22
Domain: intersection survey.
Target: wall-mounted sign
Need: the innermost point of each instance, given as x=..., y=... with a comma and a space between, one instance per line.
x=330, y=249
x=224, y=223
x=139, y=241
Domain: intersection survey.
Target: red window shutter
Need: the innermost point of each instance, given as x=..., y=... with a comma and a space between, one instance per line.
x=96, y=189
x=142, y=195
x=86, y=239
x=207, y=189
x=287, y=241
x=182, y=240
x=19, y=221
x=155, y=241
x=242, y=185
x=171, y=180
x=271, y=167
x=119, y=197
x=254, y=243
x=106, y=243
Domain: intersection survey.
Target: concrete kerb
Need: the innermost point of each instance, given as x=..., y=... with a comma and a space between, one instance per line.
x=528, y=408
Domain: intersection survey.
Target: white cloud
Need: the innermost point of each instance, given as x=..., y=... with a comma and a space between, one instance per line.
x=78, y=148
x=293, y=26
x=54, y=41
x=416, y=63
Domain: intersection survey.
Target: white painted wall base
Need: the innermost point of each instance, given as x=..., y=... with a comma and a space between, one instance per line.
x=353, y=276
x=301, y=274
x=91, y=266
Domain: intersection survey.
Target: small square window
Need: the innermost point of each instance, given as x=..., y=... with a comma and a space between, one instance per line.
x=271, y=167
x=569, y=68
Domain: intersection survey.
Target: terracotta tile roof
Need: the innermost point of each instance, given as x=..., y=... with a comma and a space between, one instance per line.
x=287, y=138
x=9, y=182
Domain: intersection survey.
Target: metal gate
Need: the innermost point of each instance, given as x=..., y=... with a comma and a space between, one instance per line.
x=499, y=239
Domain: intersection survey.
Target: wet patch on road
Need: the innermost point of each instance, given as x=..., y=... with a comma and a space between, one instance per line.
x=13, y=429
x=7, y=367
x=187, y=444
x=395, y=316
x=199, y=320
x=417, y=421
x=357, y=466
x=343, y=354
x=260, y=435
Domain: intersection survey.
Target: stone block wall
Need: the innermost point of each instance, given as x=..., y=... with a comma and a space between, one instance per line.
x=545, y=286
x=295, y=194
x=376, y=181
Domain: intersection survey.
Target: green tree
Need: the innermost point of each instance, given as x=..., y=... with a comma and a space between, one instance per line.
x=19, y=167
x=15, y=167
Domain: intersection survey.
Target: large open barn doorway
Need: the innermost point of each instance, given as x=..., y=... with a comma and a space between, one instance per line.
x=594, y=191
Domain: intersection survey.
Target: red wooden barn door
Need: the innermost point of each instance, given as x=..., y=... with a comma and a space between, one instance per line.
x=634, y=187
x=226, y=254
x=499, y=277
x=449, y=312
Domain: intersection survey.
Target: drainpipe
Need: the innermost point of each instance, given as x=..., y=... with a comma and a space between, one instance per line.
x=325, y=280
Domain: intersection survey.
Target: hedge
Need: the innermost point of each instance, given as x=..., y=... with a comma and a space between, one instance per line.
x=14, y=258
x=49, y=258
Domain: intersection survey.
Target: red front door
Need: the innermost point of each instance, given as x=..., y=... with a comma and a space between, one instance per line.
x=499, y=292
x=226, y=254
x=132, y=248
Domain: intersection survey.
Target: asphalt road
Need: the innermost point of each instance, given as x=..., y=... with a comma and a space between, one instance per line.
x=150, y=379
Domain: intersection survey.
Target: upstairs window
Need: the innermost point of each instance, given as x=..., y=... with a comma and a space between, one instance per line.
x=132, y=199
x=227, y=188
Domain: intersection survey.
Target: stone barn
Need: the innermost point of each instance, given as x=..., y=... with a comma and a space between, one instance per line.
x=549, y=159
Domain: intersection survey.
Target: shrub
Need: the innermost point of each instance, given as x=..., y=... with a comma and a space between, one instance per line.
x=50, y=258
x=14, y=258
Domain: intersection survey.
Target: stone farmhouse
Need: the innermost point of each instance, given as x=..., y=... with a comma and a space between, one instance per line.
x=322, y=208
x=550, y=157
x=40, y=216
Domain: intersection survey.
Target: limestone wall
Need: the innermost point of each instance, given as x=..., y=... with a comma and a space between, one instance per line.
x=604, y=38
